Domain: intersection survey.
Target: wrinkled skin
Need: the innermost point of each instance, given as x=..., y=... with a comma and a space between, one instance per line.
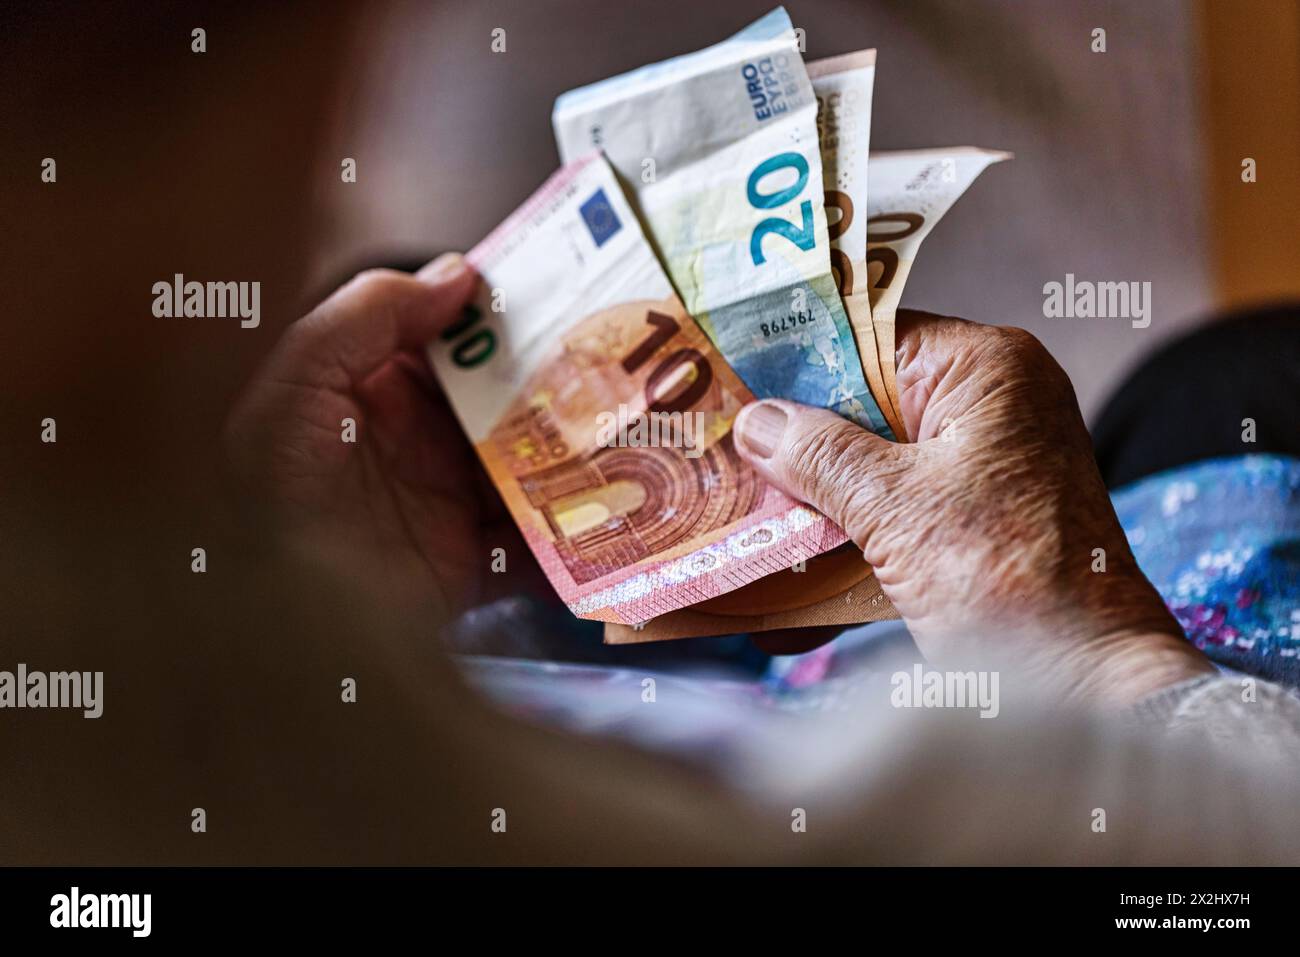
x=982, y=532
x=407, y=503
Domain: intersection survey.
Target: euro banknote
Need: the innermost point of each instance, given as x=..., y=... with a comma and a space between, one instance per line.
x=838, y=587
x=718, y=151
x=843, y=86
x=603, y=413
x=908, y=193
x=856, y=605
x=911, y=190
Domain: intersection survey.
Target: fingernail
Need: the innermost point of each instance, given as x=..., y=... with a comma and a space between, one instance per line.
x=445, y=267
x=760, y=427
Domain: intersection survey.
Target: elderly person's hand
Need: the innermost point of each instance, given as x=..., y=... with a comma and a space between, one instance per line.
x=988, y=531
x=406, y=501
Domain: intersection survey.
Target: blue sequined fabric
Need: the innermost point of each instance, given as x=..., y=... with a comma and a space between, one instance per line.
x=1221, y=542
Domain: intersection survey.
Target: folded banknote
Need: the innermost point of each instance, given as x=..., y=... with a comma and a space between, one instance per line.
x=911, y=190
x=843, y=86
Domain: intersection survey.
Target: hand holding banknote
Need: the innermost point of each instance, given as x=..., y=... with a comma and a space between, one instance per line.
x=716, y=234
x=984, y=531
x=405, y=499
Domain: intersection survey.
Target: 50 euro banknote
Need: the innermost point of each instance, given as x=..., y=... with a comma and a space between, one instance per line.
x=603, y=414
x=843, y=86
x=718, y=151
x=911, y=190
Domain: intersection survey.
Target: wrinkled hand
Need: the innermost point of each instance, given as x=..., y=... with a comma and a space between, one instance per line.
x=406, y=501
x=984, y=531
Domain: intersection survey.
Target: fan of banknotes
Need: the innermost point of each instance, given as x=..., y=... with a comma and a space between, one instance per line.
x=718, y=232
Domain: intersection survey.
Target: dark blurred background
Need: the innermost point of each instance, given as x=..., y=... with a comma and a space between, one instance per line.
x=225, y=166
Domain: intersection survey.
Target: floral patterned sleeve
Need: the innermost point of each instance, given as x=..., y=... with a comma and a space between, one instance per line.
x=1220, y=540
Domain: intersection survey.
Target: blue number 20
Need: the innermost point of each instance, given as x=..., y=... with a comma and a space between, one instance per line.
x=803, y=238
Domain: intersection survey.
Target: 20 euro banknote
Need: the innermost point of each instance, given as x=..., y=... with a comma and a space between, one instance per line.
x=909, y=193
x=719, y=153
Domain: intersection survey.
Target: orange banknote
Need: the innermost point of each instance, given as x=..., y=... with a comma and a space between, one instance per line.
x=603, y=413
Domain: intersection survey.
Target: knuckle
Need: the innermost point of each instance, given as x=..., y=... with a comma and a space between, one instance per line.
x=372, y=286
x=1021, y=342
x=1019, y=352
x=1017, y=334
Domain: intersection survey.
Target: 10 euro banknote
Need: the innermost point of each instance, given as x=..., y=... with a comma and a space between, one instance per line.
x=603, y=413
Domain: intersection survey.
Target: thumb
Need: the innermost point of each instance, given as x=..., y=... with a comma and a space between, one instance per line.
x=848, y=474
